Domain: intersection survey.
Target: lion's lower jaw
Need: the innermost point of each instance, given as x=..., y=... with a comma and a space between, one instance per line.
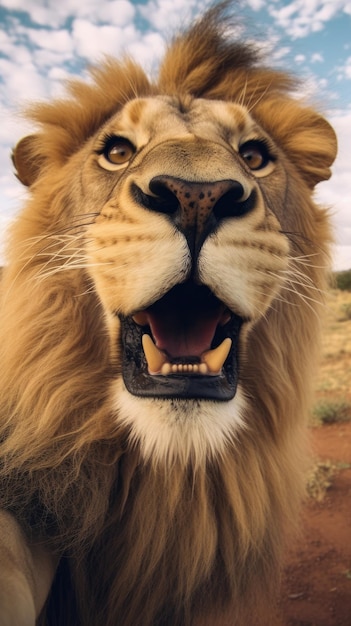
x=167, y=430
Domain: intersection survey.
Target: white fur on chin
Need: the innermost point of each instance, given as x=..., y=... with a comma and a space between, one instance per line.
x=181, y=430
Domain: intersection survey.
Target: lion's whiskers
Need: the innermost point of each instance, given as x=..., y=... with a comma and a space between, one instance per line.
x=70, y=237
x=66, y=258
x=67, y=266
x=296, y=282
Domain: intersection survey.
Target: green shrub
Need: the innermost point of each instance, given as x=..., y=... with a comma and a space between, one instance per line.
x=330, y=412
x=342, y=280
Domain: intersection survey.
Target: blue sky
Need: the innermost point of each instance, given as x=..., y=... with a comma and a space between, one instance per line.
x=43, y=42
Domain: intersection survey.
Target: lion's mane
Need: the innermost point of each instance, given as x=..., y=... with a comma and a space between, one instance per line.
x=150, y=544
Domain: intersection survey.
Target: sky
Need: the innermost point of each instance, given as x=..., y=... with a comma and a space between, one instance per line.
x=44, y=42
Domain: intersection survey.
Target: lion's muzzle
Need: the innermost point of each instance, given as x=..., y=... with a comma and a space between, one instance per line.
x=186, y=344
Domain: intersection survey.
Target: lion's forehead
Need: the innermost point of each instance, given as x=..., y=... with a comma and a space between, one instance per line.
x=165, y=116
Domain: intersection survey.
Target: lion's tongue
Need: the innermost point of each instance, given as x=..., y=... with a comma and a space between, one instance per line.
x=185, y=333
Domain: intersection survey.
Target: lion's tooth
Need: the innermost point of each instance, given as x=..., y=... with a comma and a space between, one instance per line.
x=211, y=361
x=214, y=359
x=140, y=318
x=155, y=358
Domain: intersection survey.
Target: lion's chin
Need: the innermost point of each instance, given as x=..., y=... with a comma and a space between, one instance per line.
x=186, y=345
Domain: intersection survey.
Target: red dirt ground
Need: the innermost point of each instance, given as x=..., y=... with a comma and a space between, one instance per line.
x=317, y=584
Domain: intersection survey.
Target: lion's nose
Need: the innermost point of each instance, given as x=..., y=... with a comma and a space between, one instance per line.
x=195, y=207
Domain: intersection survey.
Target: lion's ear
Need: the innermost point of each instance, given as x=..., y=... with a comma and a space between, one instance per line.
x=306, y=137
x=27, y=160
x=317, y=150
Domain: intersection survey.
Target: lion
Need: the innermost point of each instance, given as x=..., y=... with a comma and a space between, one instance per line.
x=160, y=322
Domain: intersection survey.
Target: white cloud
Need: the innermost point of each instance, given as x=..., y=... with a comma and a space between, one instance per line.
x=345, y=70
x=55, y=14
x=341, y=258
x=5, y=40
x=167, y=15
x=280, y=53
x=117, y=12
x=16, y=52
x=39, y=11
x=48, y=39
x=336, y=192
x=45, y=60
x=91, y=41
x=23, y=82
x=11, y=191
x=256, y=5
x=300, y=18
x=147, y=50
x=86, y=39
x=323, y=85
x=317, y=57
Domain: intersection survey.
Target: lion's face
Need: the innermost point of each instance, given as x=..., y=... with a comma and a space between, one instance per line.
x=185, y=246
x=181, y=211
x=185, y=207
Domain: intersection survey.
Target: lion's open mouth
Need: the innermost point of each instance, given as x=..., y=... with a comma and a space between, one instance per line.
x=185, y=345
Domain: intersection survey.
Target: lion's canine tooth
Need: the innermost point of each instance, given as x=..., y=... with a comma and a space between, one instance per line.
x=155, y=358
x=214, y=359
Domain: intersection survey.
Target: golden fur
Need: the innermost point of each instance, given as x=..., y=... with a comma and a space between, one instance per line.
x=173, y=524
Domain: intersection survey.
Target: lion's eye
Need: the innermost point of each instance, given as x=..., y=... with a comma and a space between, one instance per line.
x=119, y=150
x=255, y=154
x=116, y=151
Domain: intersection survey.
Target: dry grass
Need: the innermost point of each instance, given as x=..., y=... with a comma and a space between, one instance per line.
x=320, y=479
x=333, y=388
x=330, y=412
x=334, y=380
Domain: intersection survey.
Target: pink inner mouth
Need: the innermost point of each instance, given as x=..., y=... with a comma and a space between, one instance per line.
x=183, y=323
x=181, y=334
x=184, y=333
